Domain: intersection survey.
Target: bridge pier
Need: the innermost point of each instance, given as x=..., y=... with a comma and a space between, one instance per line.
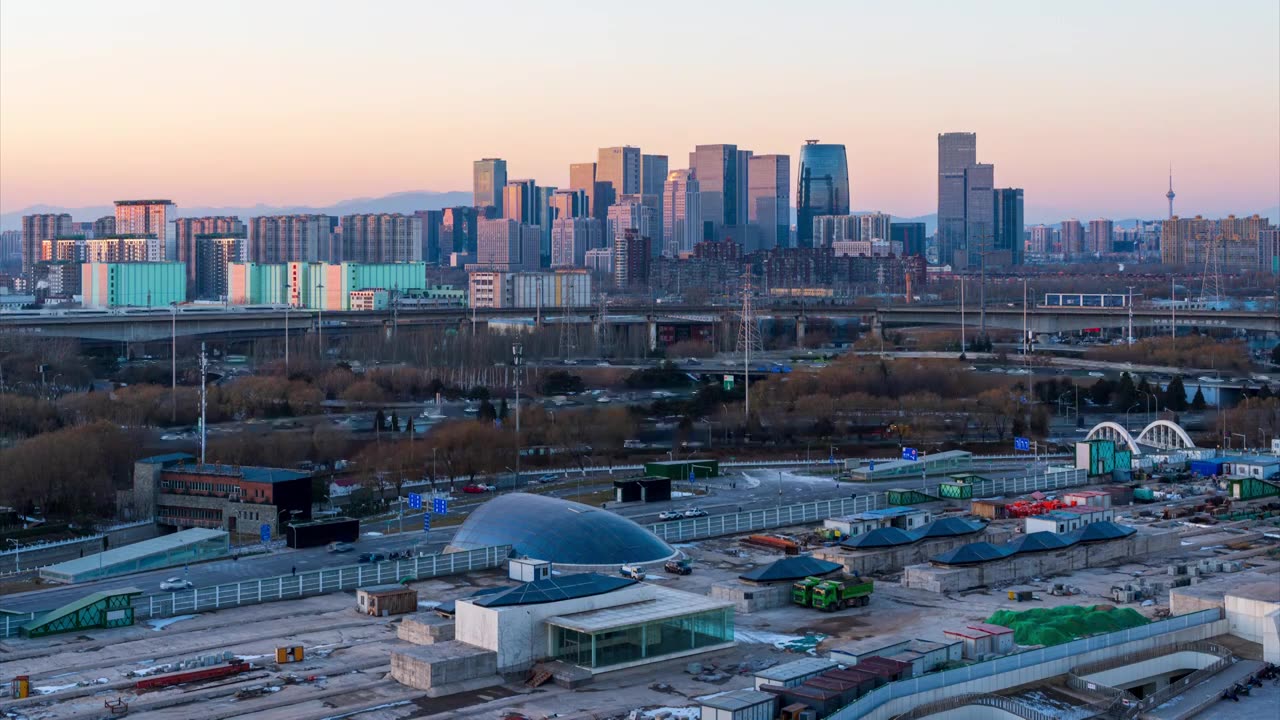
x=651, y=326
x=801, y=323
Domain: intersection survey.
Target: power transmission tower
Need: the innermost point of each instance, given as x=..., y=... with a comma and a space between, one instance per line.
x=604, y=334
x=568, y=336
x=748, y=341
x=1211, y=283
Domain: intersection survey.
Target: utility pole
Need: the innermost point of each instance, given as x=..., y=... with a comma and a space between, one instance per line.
x=962, y=343
x=1173, y=310
x=1025, y=359
x=748, y=339
x=173, y=364
x=1129, y=338
x=320, y=319
x=517, y=358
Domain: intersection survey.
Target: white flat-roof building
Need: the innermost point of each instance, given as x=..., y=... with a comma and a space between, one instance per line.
x=180, y=548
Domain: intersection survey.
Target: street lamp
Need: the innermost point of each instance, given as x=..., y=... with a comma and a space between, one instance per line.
x=1126, y=414
x=173, y=361
x=1244, y=440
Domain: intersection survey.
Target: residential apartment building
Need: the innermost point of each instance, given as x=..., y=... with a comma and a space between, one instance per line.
x=291, y=238
x=631, y=253
x=572, y=237
x=381, y=238
x=506, y=244
x=1071, y=235
x=1101, y=236
x=148, y=218
x=912, y=235
x=631, y=214
x=1239, y=241
x=38, y=228
x=212, y=254
x=559, y=288
x=118, y=249
x=185, y=231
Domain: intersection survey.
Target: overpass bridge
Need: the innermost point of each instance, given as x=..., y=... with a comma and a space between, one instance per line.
x=1062, y=320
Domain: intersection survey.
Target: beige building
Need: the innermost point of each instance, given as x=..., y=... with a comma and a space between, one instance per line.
x=560, y=288
x=1187, y=241
x=151, y=218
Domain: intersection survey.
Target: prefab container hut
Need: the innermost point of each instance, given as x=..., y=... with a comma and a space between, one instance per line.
x=382, y=600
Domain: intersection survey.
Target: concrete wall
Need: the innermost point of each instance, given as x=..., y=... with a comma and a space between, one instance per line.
x=748, y=598
x=1271, y=638
x=1248, y=617
x=1034, y=673
x=975, y=712
x=891, y=560
x=444, y=668
x=518, y=634
x=1020, y=568
x=1123, y=677
x=425, y=629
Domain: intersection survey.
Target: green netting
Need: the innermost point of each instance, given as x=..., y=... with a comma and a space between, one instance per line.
x=1050, y=626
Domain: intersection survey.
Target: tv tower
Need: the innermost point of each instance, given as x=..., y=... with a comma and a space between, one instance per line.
x=1169, y=194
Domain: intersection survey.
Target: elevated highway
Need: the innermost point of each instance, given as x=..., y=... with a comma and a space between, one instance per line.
x=1065, y=320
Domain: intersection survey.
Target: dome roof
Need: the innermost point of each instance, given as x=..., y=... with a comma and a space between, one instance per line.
x=564, y=532
x=881, y=537
x=792, y=568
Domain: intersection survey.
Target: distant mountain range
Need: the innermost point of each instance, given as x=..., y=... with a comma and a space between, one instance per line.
x=402, y=202
x=407, y=202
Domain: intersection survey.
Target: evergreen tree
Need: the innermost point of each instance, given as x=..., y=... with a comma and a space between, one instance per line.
x=1126, y=393
x=1275, y=354
x=1197, y=402
x=486, y=412
x=502, y=409
x=379, y=421
x=408, y=425
x=1265, y=392
x=395, y=422
x=1175, y=395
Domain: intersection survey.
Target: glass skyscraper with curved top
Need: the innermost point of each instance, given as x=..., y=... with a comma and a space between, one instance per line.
x=823, y=187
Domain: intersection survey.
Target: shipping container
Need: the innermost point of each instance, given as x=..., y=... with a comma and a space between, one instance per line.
x=990, y=509
x=383, y=600
x=315, y=533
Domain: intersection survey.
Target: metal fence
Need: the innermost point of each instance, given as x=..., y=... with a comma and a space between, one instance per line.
x=1019, y=661
x=1128, y=706
x=1007, y=704
x=788, y=515
x=303, y=584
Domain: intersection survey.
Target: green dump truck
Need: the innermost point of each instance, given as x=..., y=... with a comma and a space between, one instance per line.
x=833, y=595
x=802, y=591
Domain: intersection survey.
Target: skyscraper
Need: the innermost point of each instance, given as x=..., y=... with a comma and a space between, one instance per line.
x=582, y=176
x=633, y=214
x=458, y=231
x=566, y=204
x=147, y=217
x=620, y=167
x=185, y=231
x=290, y=238
x=38, y=228
x=979, y=214
x=630, y=259
x=769, y=199
x=653, y=176
x=822, y=188
x=957, y=152
x=489, y=177
x=1100, y=235
x=519, y=201
x=910, y=234
x=682, y=213
x=381, y=238
x=1072, y=237
x=431, y=221
x=506, y=244
x=874, y=226
x=211, y=254
x=572, y=237
x=1009, y=223
x=716, y=168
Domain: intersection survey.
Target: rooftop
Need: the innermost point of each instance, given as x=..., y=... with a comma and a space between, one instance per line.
x=553, y=589
x=154, y=546
x=167, y=458
x=666, y=604
x=385, y=589
x=738, y=700
x=804, y=666
x=791, y=568
x=249, y=473
x=1262, y=591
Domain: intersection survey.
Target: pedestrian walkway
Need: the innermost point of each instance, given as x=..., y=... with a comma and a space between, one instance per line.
x=1196, y=699
x=1260, y=704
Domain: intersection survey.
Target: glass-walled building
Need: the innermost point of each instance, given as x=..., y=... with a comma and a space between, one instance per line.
x=822, y=188
x=603, y=639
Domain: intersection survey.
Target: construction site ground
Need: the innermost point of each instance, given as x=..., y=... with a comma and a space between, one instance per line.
x=345, y=673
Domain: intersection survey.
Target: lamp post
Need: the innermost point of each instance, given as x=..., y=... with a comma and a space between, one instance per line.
x=1244, y=440
x=1126, y=414
x=517, y=359
x=287, y=307
x=320, y=320
x=173, y=361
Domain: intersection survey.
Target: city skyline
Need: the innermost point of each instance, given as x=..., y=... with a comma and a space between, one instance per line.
x=312, y=149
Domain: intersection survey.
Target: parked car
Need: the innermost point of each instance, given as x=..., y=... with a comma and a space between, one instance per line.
x=549, y=477
x=695, y=512
x=176, y=583
x=341, y=547
x=475, y=489
x=371, y=557
x=670, y=515
x=679, y=567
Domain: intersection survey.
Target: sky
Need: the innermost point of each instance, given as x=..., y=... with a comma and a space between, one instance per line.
x=1084, y=104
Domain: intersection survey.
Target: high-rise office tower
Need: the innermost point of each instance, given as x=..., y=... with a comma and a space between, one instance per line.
x=519, y=201
x=38, y=228
x=290, y=238
x=979, y=214
x=874, y=226
x=381, y=238
x=744, y=190
x=506, y=244
x=566, y=204
x=769, y=199
x=620, y=167
x=431, y=221
x=1101, y=233
x=1072, y=237
x=717, y=169
x=911, y=235
x=582, y=177
x=212, y=253
x=631, y=214
x=185, y=231
x=458, y=231
x=542, y=215
x=653, y=176
x=631, y=251
x=488, y=177
x=682, y=213
x=1008, y=225
x=572, y=237
x=957, y=152
x=822, y=187
x=147, y=217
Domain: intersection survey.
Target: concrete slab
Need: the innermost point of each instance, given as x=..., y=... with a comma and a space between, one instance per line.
x=1190, y=703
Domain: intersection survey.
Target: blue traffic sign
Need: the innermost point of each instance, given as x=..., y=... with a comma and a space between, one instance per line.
x=692, y=477
x=426, y=522
x=910, y=454
x=1021, y=443
x=265, y=533
x=415, y=501
x=873, y=466
x=440, y=506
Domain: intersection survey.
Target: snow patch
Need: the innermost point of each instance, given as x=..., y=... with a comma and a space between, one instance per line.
x=50, y=689
x=371, y=533
x=674, y=713
x=792, y=643
x=158, y=624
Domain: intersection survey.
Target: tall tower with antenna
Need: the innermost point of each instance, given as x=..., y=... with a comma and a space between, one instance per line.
x=749, y=341
x=1170, y=194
